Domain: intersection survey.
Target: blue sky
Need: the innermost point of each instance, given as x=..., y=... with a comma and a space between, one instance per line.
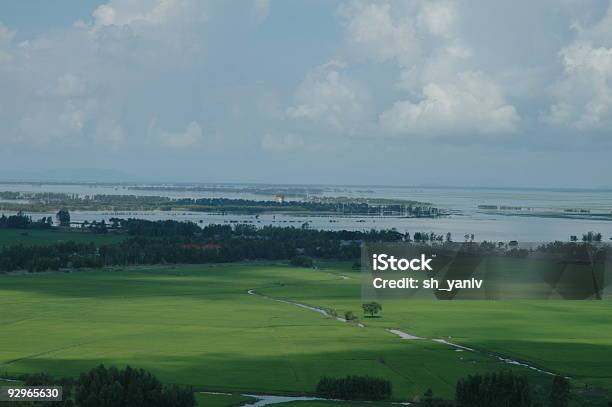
x=354, y=92
x=36, y=17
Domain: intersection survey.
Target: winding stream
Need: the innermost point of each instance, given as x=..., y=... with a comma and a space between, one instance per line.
x=264, y=400
x=321, y=311
x=405, y=336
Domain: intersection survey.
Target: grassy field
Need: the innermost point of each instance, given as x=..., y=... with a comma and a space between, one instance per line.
x=33, y=237
x=566, y=337
x=197, y=325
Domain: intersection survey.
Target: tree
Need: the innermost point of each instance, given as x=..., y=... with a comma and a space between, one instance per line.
x=427, y=397
x=349, y=316
x=559, y=392
x=302, y=261
x=493, y=390
x=45, y=380
x=112, y=387
x=429, y=400
x=63, y=218
x=354, y=388
x=371, y=308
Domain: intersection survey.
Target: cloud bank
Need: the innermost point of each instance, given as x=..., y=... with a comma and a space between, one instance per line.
x=159, y=77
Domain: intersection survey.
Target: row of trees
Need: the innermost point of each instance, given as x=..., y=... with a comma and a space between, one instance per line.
x=588, y=237
x=159, y=242
x=505, y=389
x=21, y=221
x=413, y=209
x=144, y=250
x=113, y=387
x=52, y=257
x=171, y=228
x=500, y=389
x=354, y=388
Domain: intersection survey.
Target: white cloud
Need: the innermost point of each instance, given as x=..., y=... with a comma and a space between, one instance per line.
x=126, y=12
x=282, y=143
x=190, y=137
x=448, y=92
x=583, y=98
x=6, y=35
x=375, y=33
x=472, y=104
x=94, y=81
x=330, y=98
x=443, y=64
x=438, y=18
x=203, y=68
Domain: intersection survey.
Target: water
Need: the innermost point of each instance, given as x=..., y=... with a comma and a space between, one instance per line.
x=467, y=200
x=264, y=400
x=543, y=218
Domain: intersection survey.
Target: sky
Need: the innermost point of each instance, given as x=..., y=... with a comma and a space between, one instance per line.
x=438, y=92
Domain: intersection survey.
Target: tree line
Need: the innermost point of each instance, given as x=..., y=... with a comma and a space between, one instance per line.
x=169, y=242
x=497, y=389
x=111, y=387
x=354, y=388
x=21, y=221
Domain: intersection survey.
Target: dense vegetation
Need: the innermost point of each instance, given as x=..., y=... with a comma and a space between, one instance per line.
x=559, y=392
x=112, y=387
x=502, y=389
x=172, y=242
x=162, y=242
x=354, y=388
x=21, y=221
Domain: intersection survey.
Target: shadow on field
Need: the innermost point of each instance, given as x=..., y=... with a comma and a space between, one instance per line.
x=412, y=366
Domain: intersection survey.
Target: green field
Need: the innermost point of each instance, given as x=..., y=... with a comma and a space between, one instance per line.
x=34, y=237
x=197, y=325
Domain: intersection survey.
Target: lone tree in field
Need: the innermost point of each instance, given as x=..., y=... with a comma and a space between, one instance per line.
x=63, y=218
x=559, y=393
x=371, y=308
